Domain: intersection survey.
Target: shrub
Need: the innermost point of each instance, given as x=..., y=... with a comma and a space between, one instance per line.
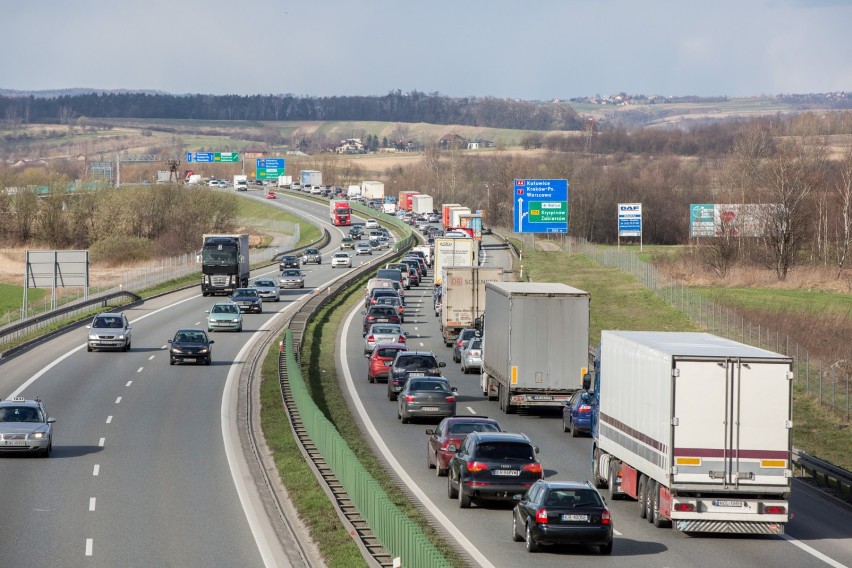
x=114, y=250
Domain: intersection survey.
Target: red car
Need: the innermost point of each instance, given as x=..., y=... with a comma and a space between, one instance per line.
x=271, y=195
x=446, y=439
x=380, y=360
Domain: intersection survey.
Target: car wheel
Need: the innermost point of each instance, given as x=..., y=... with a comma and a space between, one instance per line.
x=406, y=419
x=452, y=492
x=240, y=328
x=371, y=379
x=464, y=498
x=89, y=348
x=516, y=537
x=429, y=463
x=605, y=548
x=641, y=489
x=651, y=487
x=171, y=360
x=574, y=432
x=532, y=545
x=565, y=427
x=208, y=360
x=612, y=491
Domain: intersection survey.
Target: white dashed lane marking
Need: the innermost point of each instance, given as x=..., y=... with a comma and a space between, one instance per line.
x=89, y=546
x=96, y=470
x=109, y=419
x=129, y=383
x=91, y=503
x=139, y=370
x=118, y=400
x=101, y=442
x=151, y=357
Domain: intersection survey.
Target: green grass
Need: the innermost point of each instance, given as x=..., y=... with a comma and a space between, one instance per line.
x=253, y=209
x=813, y=302
x=12, y=297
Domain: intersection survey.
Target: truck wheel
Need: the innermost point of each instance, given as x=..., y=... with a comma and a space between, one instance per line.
x=658, y=519
x=612, y=490
x=641, y=489
x=650, y=489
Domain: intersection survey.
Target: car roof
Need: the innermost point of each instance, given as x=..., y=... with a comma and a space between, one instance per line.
x=566, y=484
x=20, y=401
x=470, y=419
x=420, y=353
x=501, y=437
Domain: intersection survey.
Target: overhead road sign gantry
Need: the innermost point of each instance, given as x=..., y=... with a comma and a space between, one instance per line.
x=541, y=206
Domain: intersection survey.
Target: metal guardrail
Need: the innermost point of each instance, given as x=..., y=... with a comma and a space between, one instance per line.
x=836, y=479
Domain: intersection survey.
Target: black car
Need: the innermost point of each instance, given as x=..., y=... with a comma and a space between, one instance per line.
x=411, y=363
x=356, y=232
x=493, y=466
x=559, y=512
x=248, y=299
x=190, y=346
x=380, y=314
x=311, y=255
x=289, y=262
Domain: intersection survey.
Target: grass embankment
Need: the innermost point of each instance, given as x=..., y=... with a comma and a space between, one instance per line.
x=619, y=301
x=251, y=209
x=320, y=373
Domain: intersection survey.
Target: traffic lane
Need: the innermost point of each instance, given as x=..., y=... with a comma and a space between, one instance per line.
x=561, y=456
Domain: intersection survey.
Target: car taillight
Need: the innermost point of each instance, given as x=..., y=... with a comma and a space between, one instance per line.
x=774, y=510
x=371, y=339
x=409, y=398
x=451, y=399
x=477, y=466
x=401, y=339
x=605, y=518
x=474, y=353
x=584, y=409
x=541, y=516
x=533, y=467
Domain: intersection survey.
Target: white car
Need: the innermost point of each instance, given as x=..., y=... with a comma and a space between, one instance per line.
x=341, y=259
x=371, y=224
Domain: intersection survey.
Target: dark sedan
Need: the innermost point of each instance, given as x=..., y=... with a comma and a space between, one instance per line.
x=190, y=346
x=555, y=512
x=248, y=299
x=379, y=314
x=289, y=262
x=426, y=397
x=448, y=436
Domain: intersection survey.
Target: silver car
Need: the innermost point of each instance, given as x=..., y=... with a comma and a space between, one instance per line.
x=363, y=248
x=25, y=427
x=383, y=333
x=426, y=397
x=267, y=289
x=109, y=331
x=341, y=259
x=224, y=315
x=291, y=278
x=471, y=355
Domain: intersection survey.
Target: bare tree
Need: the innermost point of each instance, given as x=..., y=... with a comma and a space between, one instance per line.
x=843, y=187
x=789, y=177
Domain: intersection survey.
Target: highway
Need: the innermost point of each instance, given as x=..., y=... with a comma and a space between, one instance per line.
x=819, y=535
x=146, y=469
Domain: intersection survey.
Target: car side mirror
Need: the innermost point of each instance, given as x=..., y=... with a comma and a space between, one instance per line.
x=211, y=342
x=168, y=340
x=405, y=333
x=452, y=448
x=363, y=313
x=442, y=364
x=206, y=311
x=88, y=327
x=454, y=389
x=517, y=497
x=430, y=431
x=51, y=420
x=536, y=449
x=366, y=355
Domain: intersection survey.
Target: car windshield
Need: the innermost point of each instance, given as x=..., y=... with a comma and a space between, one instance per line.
x=385, y=329
x=417, y=362
x=108, y=322
x=505, y=451
x=382, y=311
x=291, y=273
x=312, y=251
x=570, y=498
x=387, y=352
x=190, y=337
x=467, y=428
x=245, y=292
x=265, y=283
x=225, y=309
x=20, y=414
x=341, y=255
x=429, y=386
x=289, y=259
x=475, y=344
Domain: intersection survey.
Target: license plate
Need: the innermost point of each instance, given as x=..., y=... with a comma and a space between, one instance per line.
x=584, y=518
x=507, y=472
x=416, y=375
x=429, y=408
x=541, y=397
x=188, y=359
x=15, y=443
x=382, y=320
x=728, y=503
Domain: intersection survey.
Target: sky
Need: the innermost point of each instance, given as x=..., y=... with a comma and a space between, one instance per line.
x=523, y=49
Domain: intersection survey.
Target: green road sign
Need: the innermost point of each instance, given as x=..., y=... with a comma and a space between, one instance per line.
x=226, y=157
x=269, y=168
x=548, y=212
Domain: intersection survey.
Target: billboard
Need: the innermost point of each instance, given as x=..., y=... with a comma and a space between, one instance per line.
x=629, y=219
x=732, y=219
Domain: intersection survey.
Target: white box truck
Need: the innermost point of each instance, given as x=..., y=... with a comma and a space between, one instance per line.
x=353, y=192
x=536, y=343
x=311, y=178
x=285, y=181
x=372, y=190
x=696, y=427
x=241, y=183
x=455, y=215
x=463, y=297
x=422, y=204
x=451, y=252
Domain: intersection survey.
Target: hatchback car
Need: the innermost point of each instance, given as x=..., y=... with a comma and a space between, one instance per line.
x=289, y=261
x=492, y=466
x=371, y=224
x=462, y=338
x=379, y=314
x=341, y=259
x=449, y=435
x=311, y=255
x=224, y=315
x=364, y=248
x=356, y=232
x=380, y=360
x=577, y=414
x=291, y=278
x=424, y=397
x=382, y=333
x=560, y=512
x=267, y=288
x=271, y=195
x=471, y=355
x=109, y=331
x=394, y=302
x=411, y=364
x=190, y=346
x=248, y=299
x=25, y=427
x=347, y=243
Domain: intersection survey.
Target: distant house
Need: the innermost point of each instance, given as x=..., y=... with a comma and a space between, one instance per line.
x=351, y=146
x=479, y=143
x=452, y=142
x=255, y=151
x=406, y=145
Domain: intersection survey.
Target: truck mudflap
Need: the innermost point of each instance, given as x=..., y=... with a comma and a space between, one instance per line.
x=728, y=527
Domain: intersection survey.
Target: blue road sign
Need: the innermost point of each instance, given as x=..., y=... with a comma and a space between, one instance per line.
x=203, y=157
x=541, y=206
x=269, y=168
x=189, y=156
x=629, y=219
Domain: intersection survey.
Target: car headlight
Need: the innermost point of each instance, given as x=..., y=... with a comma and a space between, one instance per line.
x=92, y=336
x=38, y=435
x=211, y=320
x=176, y=350
x=237, y=320
x=203, y=350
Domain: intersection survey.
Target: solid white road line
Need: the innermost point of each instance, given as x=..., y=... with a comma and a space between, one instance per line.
x=456, y=533
x=91, y=503
x=813, y=552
